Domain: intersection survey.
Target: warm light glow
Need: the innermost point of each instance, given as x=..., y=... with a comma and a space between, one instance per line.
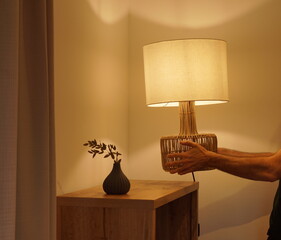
x=193, y=14
x=186, y=70
x=110, y=11
x=176, y=104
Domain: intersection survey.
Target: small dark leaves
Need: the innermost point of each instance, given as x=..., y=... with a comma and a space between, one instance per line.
x=101, y=148
x=109, y=149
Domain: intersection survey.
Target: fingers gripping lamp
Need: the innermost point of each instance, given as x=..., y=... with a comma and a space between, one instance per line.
x=185, y=73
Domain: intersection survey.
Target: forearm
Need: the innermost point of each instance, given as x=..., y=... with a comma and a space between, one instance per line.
x=234, y=153
x=255, y=166
x=251, y=166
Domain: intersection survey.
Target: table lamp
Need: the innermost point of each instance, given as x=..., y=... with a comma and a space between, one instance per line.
x=185, y=73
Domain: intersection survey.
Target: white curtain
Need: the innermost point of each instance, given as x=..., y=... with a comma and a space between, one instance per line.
x=27, y=153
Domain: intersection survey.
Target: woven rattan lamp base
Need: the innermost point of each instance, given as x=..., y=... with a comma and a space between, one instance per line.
x=172, y=144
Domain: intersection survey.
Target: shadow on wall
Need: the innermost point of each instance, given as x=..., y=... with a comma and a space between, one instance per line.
x=241, y=207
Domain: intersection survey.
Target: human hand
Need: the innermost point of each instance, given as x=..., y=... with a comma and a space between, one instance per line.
x=195, y=159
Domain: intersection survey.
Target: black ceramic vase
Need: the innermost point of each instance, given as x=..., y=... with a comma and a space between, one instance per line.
x=116, y=182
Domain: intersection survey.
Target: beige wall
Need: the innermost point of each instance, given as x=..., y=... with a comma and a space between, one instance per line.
x=92, y=90
x=230, y=208
x=91, y=87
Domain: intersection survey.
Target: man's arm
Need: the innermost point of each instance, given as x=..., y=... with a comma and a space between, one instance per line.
x=255, y=166
x=234, y=153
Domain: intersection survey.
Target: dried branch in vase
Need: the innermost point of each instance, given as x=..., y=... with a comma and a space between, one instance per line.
x=108, y=150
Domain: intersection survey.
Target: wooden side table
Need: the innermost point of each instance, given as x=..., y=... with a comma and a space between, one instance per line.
x=162, y=210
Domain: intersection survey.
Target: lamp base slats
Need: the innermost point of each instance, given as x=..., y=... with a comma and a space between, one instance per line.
x=171, y=144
